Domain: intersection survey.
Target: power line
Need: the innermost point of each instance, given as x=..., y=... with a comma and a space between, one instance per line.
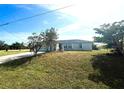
x=5, y=30
x=21, y=19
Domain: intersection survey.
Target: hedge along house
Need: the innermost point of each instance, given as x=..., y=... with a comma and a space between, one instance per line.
x=74, y=45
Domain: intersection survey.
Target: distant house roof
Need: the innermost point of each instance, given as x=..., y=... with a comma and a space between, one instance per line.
x=73, y=40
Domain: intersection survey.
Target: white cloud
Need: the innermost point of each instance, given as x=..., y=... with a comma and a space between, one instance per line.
x=69, y=28
x=34, y=1
x=45, y=22
x=88, y=37
x=91, y=11
x=11, y=37
x=23, y=6
x=88, y=14
x=75, y=31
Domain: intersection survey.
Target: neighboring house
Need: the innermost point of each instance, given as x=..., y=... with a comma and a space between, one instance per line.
x=74, y=44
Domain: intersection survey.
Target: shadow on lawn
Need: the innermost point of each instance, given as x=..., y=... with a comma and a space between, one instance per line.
x=16, y=63
x=108, y=69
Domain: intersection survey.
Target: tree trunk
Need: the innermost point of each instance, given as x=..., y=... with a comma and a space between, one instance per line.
x=50, y=47
x=122, y=44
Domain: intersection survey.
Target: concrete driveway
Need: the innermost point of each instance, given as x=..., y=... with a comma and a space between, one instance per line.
x=7, y=58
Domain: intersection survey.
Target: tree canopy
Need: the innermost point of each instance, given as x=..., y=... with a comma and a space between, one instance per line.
x=50, y=39
x=35, y=42
x=2, y=44
x=112, y=34
x=45, y=39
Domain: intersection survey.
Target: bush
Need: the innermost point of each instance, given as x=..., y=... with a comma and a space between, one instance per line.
x=94, y=47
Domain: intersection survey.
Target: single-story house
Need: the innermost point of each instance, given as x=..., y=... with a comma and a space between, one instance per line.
x=74, y=44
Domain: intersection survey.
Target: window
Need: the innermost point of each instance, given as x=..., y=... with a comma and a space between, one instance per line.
x=80, y=45
x=69, y=45
x=65, y=45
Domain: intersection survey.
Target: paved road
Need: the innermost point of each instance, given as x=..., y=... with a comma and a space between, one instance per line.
x=6, y=58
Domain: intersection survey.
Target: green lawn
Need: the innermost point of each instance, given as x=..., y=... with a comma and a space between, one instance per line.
x=71, y=69
x=9, y=52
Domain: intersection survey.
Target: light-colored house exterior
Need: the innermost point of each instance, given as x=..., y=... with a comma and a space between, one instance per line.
x=74, y=44
x=71, y=45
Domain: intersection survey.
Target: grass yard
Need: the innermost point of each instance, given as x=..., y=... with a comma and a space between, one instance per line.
x=9, y=52
x=71, y=69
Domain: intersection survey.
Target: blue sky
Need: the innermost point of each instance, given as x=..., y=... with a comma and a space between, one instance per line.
x=76, y=22
x=21, y=30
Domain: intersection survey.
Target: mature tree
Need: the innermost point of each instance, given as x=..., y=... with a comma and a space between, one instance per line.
x=105, y=33
x=35, y=42
x=94, y=47
x=23, y=46
x=15, y=45
x=2, y=44
x=112, y=34
x=47, y=39
x=6, y=47
x=50, y=39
